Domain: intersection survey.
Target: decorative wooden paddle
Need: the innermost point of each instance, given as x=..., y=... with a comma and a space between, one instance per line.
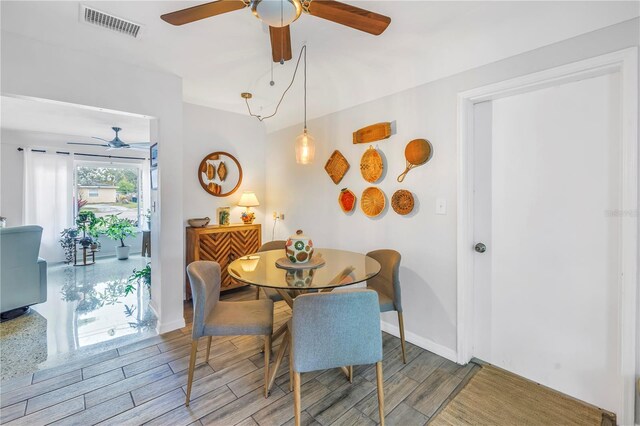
x=372, y=133
x=417, y=152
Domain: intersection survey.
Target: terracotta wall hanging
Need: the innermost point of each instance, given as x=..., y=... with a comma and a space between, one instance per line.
x=372, y=133
x=347, y=200
x=417, y=152
x=337, y=166
x=220, y=174
x=371, y=165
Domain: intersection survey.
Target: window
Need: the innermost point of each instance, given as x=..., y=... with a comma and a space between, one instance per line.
x=107, y=189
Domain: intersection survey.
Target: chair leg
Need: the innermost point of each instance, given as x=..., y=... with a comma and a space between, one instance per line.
x=380, y=392
x=192, y=365
x=290, y=373
x=206, y=358
x=296, y=397
x=267, y=354
x=290, y=367
x=351, y=374
x=401, y=326
x=257, y=293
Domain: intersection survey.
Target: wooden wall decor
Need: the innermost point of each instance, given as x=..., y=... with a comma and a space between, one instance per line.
x=222, y=244
x=220, y=174
x=372, y=133
x=337, y=166
x=371, y=165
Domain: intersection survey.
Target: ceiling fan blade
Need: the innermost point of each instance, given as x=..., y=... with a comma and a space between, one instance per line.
x=137, y=148
x=87, y=144
x=196, y=13
x=280, y=43
x=100, y=139
x=140, y=144
x=351, y=16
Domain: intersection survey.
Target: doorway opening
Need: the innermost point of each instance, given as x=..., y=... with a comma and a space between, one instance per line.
x=91, y=201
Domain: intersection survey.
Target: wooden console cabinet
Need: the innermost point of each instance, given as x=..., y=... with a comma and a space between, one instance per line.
x=222, y=244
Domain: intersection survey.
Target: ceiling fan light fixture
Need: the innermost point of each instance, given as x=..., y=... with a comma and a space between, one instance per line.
x=277, y=13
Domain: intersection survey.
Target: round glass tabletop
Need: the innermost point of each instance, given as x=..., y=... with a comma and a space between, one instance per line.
x=339, y=269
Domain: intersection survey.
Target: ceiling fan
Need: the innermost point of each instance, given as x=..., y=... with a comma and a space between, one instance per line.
x=116, y=142
x=278, y=14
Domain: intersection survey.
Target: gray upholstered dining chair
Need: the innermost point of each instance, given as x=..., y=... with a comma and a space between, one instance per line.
x=387, y=285
x=331, y=330
x=212, y=317
x=269, y=292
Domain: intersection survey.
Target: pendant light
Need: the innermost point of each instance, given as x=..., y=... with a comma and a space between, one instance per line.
x=305, y=143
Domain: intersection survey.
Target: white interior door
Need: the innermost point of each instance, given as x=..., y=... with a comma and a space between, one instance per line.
x=547, y=186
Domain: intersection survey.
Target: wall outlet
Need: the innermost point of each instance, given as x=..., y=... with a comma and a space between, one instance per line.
x=441, y=206
x=281, y=216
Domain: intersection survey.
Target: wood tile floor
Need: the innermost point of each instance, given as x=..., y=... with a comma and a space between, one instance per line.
x=144, y=383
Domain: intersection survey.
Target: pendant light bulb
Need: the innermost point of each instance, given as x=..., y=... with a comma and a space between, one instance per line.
x=305, y=148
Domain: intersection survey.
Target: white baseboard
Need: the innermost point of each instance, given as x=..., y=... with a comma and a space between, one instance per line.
x=169, y=326
x=420, y=341
x=166, y=326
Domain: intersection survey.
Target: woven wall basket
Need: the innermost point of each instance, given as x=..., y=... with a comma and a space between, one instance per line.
x=372, y=201
x=371, y=165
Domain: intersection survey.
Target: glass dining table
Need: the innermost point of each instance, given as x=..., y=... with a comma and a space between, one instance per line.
x=340, y=268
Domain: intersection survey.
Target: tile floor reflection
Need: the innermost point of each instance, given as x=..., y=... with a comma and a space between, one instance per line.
x=86, y=312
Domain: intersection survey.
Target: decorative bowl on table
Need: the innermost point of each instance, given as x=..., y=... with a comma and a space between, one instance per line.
x=299, y=248
x=199, y=222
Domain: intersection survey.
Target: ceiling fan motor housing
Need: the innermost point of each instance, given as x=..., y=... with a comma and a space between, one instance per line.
x=277, y=13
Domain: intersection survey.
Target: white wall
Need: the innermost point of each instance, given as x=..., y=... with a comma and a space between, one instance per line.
x=427, y=241
x=35, y=69
x=207, y=130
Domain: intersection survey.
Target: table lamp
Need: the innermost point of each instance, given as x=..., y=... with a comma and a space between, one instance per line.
x=248, y=200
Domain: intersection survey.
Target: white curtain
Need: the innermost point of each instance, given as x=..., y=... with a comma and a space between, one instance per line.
x=48, y=198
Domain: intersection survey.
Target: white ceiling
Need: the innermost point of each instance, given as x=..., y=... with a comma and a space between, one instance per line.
x=222, y=56
x=55, y=123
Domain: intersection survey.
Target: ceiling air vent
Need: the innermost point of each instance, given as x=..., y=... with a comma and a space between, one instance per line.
x=111, y=22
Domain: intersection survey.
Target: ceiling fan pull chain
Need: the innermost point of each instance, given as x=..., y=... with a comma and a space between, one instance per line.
x=272, y=83
x=281, y=38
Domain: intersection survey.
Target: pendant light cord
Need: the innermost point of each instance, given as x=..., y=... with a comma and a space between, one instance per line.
x=305, y=86
x=303, y=51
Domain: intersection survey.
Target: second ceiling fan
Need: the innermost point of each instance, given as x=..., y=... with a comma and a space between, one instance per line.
x=278, y=14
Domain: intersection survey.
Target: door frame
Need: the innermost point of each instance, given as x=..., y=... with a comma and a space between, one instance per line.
x=626, y=62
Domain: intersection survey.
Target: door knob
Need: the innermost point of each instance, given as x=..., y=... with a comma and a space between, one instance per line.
x=480, y=248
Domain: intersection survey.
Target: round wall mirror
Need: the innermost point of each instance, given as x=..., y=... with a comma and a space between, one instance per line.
x=220, y=174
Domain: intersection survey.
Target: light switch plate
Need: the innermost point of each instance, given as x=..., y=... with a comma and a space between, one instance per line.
x=441, y=206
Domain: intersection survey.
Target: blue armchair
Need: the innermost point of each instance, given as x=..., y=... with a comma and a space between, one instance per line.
x=23, y=275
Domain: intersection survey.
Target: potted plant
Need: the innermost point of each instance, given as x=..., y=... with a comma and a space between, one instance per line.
x=68, y=242
x=118, y=229
x=147, y=216
x=142, y=276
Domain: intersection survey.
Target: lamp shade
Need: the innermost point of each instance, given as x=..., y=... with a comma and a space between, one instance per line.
x=305, y=148
x=248, y=199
